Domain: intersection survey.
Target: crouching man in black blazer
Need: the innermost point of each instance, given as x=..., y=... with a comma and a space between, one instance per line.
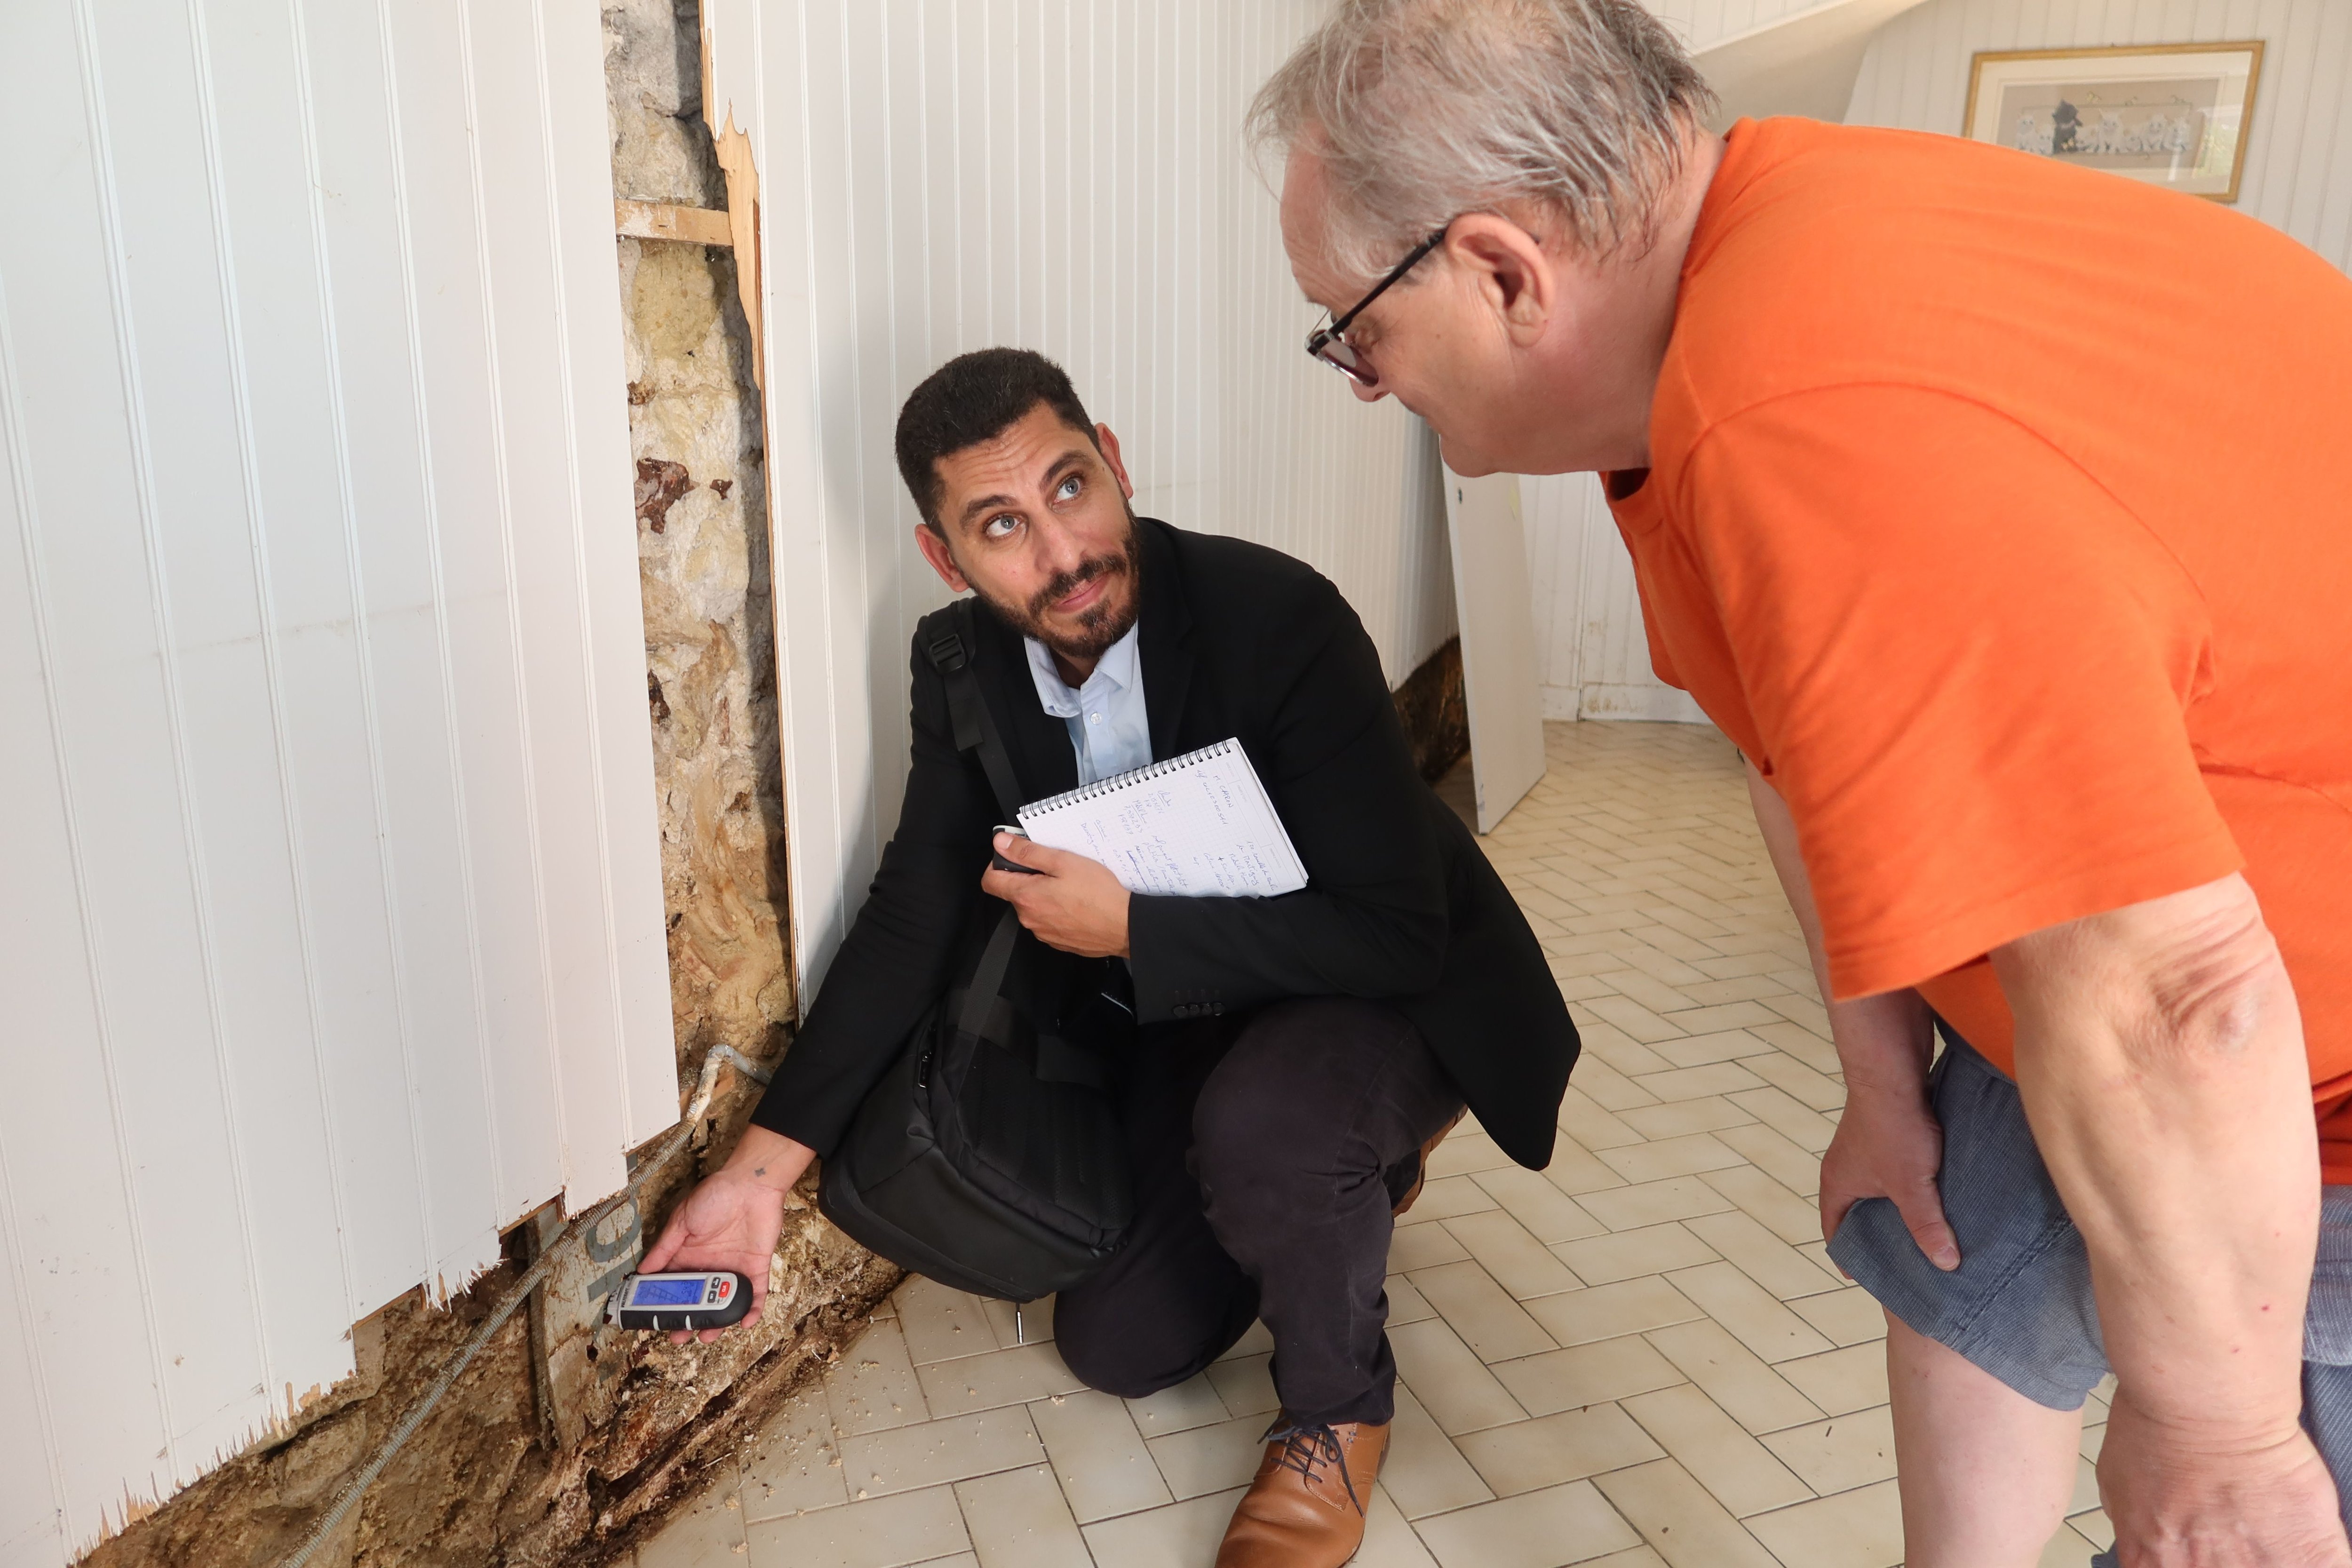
x=1299, y=1057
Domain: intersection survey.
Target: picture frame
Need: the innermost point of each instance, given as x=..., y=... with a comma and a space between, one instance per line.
x=2175, y=115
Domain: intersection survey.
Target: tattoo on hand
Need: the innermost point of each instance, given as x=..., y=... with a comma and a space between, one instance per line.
x=759, y=1170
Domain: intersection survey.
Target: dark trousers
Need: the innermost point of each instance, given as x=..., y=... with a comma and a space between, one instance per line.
x=1268, y=1152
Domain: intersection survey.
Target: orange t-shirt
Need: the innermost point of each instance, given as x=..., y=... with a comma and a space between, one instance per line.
x=2002, y=512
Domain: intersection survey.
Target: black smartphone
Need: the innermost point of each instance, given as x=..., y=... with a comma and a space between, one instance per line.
x=997, y=862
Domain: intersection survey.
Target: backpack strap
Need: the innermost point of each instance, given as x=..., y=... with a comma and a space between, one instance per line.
x=975, y=728
x=988, y=979
x=975, y=731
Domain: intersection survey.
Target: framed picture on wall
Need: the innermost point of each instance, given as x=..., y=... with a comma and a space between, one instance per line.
x=2174, y=115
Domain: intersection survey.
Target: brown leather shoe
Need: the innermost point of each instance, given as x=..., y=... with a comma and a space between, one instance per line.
x=1420, y=1174
x=1306, y=1509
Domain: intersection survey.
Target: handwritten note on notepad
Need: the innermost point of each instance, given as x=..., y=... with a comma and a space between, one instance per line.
x=1197, y=827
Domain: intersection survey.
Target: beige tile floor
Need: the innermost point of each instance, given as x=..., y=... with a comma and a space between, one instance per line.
x=1640, y=1356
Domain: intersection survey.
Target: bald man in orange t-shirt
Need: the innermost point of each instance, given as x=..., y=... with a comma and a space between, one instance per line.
x=2001, y=513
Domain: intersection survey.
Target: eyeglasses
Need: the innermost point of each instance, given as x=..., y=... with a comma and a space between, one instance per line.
x=1329, y=344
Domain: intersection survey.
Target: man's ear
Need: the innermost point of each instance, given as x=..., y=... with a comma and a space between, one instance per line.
x=1108, y=445
x=934, y=546
x=1507, y=267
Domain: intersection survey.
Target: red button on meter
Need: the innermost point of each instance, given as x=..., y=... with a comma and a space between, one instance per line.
x=725, y=1285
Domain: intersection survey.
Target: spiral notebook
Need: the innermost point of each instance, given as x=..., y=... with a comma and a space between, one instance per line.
x=1196, y=826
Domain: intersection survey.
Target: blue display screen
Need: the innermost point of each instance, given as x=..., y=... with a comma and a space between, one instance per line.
x=668, y=1293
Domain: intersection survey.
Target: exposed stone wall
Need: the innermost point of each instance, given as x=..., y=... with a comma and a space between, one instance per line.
x=1435, y=711
x=702, y=547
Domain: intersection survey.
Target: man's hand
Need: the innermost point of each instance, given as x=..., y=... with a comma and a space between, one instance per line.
x=732, y=1219
x=1888, y=1143
x=1068, y=901
x=2186, y=1500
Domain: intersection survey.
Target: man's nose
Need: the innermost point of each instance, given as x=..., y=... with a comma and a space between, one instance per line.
x=1364, y=394
x=1059, y=549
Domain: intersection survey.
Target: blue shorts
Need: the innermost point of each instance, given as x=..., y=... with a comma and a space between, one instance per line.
x=2020, y=1304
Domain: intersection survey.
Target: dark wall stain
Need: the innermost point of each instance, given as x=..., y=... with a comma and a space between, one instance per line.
x=659, y=484
x=1435, y=717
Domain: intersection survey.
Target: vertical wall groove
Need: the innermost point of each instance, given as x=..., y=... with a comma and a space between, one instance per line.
x=430, y=519
x=502, y=489
x=550, y=175
x=240, y=401
x=348, y=524
x=15, y=453
x=109, y=229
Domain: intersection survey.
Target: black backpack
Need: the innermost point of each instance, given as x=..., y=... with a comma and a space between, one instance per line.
x=990, y=1156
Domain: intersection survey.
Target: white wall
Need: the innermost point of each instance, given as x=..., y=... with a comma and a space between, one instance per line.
x=1059, y=175
x=2298, y=173
x=1588, y=614
x=1703, y=23
x=1588, y=618
x=329, y=913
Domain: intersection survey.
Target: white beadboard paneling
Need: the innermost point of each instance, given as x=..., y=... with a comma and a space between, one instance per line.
x=260, y=185
x=1594, y=656
x=1702, y=23
x=629, y=1033
x=70, y=1222
x=28, y=1518
x=1352, y=489
x=1614, y=659
x=1594, y=653
x=2298, y=173
x=1560, y=510
x=1804, y=62
x=156, y=580
x=361, y=642
x=463, y=886
x=1500, y=667
x=332, y=925
x=1059, y=175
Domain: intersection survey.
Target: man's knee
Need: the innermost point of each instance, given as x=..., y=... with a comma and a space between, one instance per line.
x=1105, y=1366
x=1110, y=1358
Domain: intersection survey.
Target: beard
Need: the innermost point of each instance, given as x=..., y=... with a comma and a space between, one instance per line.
x=1110, y=618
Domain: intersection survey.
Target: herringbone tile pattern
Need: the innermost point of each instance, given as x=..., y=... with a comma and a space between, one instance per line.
x=1639, y=1357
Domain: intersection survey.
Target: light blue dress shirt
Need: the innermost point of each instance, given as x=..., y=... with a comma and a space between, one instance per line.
x=1109, y=728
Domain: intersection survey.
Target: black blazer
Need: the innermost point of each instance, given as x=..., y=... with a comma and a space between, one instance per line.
x=1401, y=904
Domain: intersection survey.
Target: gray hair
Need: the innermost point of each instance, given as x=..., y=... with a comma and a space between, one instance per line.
x=1423, y=109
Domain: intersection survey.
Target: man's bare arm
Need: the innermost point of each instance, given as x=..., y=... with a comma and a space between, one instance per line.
x=1887, y=1142
x=2160, y=1056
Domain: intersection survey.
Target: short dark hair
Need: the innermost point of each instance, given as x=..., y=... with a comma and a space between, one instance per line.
x=971, y=399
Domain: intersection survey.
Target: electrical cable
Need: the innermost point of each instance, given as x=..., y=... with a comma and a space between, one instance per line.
x=719, y=1056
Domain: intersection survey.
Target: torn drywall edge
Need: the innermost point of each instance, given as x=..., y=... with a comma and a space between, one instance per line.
x=734, y=149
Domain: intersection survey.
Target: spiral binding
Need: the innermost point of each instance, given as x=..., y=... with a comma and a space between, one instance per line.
x=1145, y=774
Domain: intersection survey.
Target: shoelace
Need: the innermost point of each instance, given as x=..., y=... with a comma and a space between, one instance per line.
x=1303, y=1447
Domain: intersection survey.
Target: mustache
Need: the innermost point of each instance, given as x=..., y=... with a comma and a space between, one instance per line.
x=1068, y=583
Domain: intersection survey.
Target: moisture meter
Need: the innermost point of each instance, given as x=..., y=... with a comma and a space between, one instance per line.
x=698, y=1300
x=996, y=860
